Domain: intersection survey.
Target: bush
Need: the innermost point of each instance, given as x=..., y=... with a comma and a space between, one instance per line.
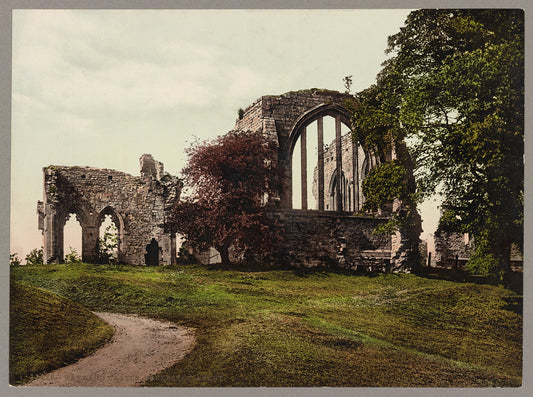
x=482, y=264
x=14, y=259
x=35, y=257
x=72, y=256
x=107, y=246
x=184, y=257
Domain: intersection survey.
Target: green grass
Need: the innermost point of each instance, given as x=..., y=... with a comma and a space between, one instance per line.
x=279, y=328
x=47, y=331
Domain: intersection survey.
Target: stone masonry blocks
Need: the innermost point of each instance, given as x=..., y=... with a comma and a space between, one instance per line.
x=139, y=207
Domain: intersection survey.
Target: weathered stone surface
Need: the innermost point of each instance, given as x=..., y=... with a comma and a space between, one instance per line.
x=453, y=250
x=313, y=238
x=355, y=166
x=289, y=114
x=139, y=207
x=333, y=239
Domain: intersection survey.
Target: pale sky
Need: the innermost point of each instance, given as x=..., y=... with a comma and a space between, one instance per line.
x=100, y=88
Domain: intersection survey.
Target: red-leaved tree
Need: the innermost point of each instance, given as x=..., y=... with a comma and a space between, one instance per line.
x=229, y=181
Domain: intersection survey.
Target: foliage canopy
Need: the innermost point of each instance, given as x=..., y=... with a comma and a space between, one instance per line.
x=231, y=179
x=454, y=90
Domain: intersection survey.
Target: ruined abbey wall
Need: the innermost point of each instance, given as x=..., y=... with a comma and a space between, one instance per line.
x=277, y=115
x=327, y=236
x=355, y=166
x=139, y=207
x=453, y=250
x=282, y=118
x=333, y=239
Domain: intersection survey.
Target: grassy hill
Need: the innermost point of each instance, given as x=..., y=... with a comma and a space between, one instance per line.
x=281, y=328
x=47, y=331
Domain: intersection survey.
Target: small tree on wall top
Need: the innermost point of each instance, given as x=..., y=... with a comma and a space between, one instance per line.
x=229, y=180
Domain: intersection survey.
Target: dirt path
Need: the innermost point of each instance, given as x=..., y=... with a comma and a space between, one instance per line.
x=141, y=347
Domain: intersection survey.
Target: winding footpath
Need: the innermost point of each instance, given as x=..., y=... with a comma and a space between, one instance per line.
x=140, y=348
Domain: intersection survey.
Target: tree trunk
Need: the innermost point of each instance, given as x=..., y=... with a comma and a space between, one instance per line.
x=224, y=255
x=501, y=249
x=503, y=252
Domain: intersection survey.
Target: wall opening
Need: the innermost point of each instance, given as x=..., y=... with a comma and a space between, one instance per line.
x=72, y=237
x=151, y=257
x=344, y=192
x=108, y=240
x=315, y=159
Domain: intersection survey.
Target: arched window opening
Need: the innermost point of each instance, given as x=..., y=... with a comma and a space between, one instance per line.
x=322, y=148
x=72, y=247
x=344, y=191
x=108, y=241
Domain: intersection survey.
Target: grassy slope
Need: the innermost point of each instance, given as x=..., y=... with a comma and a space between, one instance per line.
x=48, y=331
x=280, y=329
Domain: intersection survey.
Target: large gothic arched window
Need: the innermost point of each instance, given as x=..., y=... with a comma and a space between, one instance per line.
x=322, y=153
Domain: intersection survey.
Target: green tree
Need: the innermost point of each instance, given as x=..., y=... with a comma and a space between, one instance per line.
x=454, y=89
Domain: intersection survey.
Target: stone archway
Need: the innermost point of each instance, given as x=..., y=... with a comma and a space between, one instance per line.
x=54, y=239
x=119, y=224
x=333, y=191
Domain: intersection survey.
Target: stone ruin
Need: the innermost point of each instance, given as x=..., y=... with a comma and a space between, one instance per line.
x=453, y=250
x=138, y=206
x=332, y=234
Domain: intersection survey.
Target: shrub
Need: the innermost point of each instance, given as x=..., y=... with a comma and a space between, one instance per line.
x=35, y=257
x=107, y=245
x=72, y=256
x=14, y=259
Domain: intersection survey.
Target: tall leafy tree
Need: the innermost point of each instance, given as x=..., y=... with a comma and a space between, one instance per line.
x=454, y=89
x=230, y=180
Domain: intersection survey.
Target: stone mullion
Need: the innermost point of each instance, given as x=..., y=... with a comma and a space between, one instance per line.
x=303, y=170
x=338, y=163
x=355, y=173
x=59, y=242
x=320, y=133
x=48, y=236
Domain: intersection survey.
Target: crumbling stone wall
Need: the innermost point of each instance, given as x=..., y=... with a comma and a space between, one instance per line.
x=453, y=250
x=333, y=239
x=355, y=165
x=282, y=118
x=139, y=207
x=314, y=238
